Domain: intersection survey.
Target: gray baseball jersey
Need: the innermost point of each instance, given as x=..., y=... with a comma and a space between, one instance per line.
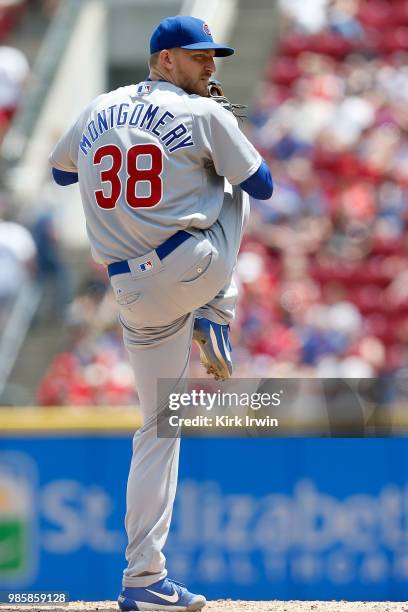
x=151, y=160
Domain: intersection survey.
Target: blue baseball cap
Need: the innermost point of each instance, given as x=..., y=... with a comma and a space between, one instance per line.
x=187, y=33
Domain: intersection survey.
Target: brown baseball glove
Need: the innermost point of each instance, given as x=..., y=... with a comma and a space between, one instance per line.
x=216, y=92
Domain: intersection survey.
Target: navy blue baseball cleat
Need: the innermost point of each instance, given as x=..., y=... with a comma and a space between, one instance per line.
x=215, y=348
x=165, y=594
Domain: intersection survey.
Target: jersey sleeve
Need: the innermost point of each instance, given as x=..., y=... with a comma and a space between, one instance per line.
x=65, y=153
x=233, y=156
x=260, y=184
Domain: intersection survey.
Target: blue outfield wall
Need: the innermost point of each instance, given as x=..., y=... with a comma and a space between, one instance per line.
x=253, y=519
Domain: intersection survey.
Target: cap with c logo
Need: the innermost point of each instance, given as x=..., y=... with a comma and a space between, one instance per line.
x=187, y=33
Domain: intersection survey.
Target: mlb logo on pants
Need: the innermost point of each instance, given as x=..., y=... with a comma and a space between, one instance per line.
x=146, y=265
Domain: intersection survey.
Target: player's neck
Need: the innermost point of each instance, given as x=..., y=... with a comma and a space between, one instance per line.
x=159, y=75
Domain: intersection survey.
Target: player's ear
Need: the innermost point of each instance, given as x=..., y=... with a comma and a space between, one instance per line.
x=166, y=59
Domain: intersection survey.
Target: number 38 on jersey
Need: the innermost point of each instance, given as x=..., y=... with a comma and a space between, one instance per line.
x=108, y=196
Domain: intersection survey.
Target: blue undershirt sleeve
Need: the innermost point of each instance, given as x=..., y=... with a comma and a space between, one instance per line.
x=259, y=185
x=64, y=178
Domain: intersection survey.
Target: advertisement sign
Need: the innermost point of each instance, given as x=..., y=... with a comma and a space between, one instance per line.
x=18, y=517
x=62, y=506
x=293, y=519
x=253, y=519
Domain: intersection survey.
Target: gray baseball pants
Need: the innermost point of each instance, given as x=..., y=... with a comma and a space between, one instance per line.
x=157, y=309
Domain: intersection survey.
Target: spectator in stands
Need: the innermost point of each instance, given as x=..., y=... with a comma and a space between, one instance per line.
x=342, y=17
x=18, y=256
x=52, y=270
x=14, y=71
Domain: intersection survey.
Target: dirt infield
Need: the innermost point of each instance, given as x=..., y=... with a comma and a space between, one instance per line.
x=234, y=606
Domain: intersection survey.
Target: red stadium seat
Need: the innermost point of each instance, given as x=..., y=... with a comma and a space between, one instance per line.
x=391, y=246
x=9, y=18
x=293, y=44
x=377, y=14
x=284, y=71
x=378, y=325
x=329, y=43
x=393, y=40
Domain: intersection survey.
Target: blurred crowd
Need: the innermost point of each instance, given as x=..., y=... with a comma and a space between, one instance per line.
x=94, y=369
x=23, y=246
x=18, y=256
x=14, y=65
x=323, y=269
x=14, y=68
x=17, y=246
x=30, y=252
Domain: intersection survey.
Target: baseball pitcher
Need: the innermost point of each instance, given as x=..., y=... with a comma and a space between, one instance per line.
x=151, y=160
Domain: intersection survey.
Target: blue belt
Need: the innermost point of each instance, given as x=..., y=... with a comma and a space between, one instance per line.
x=122, y=267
